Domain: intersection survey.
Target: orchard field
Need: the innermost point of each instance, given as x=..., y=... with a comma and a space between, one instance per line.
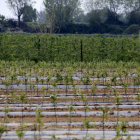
x=69, y=87
x=68, y=48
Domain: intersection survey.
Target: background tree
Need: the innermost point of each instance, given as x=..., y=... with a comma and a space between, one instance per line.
x=91, y=5
x=112, y=18
x=29, y=14
x=41, y=16
x=17, y=6
x=130, y=5
x=60, y=12
x=2, y=18
x=113, y=5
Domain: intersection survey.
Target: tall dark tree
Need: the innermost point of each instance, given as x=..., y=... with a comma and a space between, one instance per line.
x=112, y=18
x=29, y=14
x=134, y=17
x=17, y=6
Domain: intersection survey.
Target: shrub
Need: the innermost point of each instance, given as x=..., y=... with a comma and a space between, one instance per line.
x=114, y=29
x=12, y=23
x=73, y=28
x=132, y=29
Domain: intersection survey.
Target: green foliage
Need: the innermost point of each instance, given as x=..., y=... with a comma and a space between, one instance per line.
x=53, y=137
x=2, y=128
x=2, y=21
x=29, y=14
x=87, y=125
x=132, y=29
x=114, y=29
x=53, y=98
x=134, y=17
x=35, y=25
x=38, y=117
x=22, y=97
x=21, y=132
x=2, y=18
x=117, y=98
x=68, y=48
x=60, y=13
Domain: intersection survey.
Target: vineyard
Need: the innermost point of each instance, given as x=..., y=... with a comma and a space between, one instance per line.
x=69, y=87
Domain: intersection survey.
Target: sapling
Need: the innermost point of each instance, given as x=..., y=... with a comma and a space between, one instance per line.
x=22, y=98
x=43, y=90
x=54, y=84
x=13, y=78
x=134, y=83
x=6, y=110
x=53, y=100
x=59, y=78
x=66, y=78
x=42, y=81
x=138, y=99
x=104, y=75
x=70, y=111
x=2, y=129
x=37, y=81
x=108, y=87
x=123, y=128
x=54, y=137
x=114, y=91
x=126, y=88
x=117, y=99
x=14, y=96
x=93, y=89
x=134, y=125
x=118, y=132
x=31, y=86
x=120, y=75
x=128, y=137
x=21, y=132
x=84, y=98
x=108, y=96
x=86, y=81
x=48, y=80
x=88, y=126
x=38, y=119
x=71, y=80
x=6, y=86
x=17, y=82
x=125, y=71
x=26, y=81
x=75, y=90
x=35, y=128
x=104, y=112
x=99, y=74
x=114, y=79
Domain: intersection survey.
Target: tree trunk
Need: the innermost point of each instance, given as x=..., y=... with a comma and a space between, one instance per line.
x=19, y=21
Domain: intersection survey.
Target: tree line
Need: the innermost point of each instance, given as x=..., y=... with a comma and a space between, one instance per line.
x=82, y=16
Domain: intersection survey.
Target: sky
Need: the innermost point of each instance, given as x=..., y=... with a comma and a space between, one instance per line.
x=4, y=9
